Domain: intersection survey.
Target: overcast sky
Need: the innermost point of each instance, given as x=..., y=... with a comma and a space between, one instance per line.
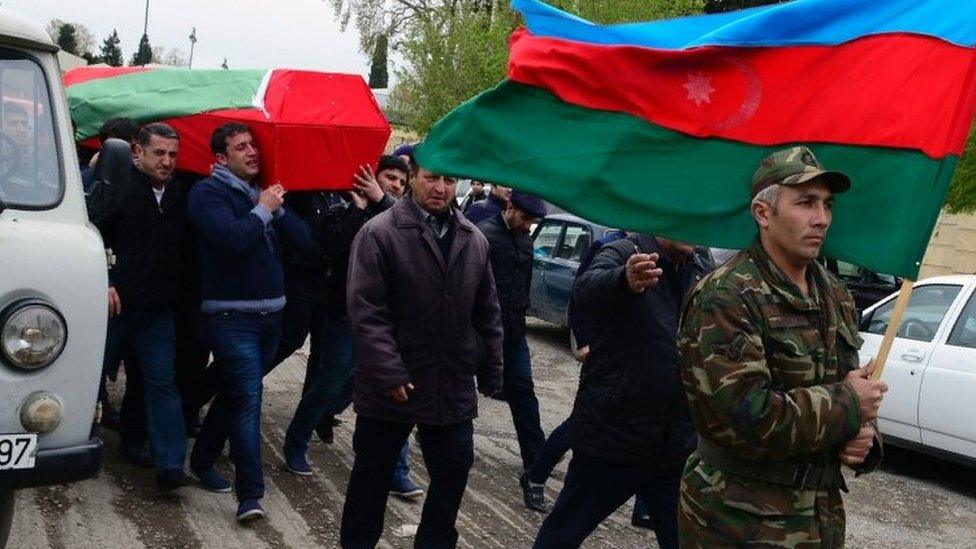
x=249, y=33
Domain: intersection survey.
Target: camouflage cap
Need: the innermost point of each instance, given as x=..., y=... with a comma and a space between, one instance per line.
x=794, y=166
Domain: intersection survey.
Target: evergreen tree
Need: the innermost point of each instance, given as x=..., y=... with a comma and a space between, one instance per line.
x=111, y=53
x=144, y=55
x=378, y=73
x=67, y=40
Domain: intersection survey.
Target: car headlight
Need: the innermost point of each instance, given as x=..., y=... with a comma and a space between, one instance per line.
x=32, y=334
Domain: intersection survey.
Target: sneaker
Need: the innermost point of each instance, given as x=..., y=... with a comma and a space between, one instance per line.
x=296, y=464
x=533, y=494
x=248, y=510
x=168, y=480
x=405, y=489
x=210, y=479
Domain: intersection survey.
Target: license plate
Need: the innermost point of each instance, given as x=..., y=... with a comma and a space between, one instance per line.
x=18, y=451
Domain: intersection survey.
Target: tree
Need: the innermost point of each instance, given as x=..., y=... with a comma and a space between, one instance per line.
x=83, y=38
x=111, y=53
x=962, y=192
x=378, y=71
x=459, y=48
x=143, y=55
x=175, y=57
x=224, y=64
x=66, y=39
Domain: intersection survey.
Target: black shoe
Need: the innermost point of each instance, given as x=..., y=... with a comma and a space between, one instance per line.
x=642, y=521
x=136, y=455
x=168, y=480
x=533, y=494
x=325, y=430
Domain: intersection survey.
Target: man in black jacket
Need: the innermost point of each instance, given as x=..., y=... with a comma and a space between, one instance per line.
x=142, y=218
x=489, y=207
x=510, y=252
x=632, y=430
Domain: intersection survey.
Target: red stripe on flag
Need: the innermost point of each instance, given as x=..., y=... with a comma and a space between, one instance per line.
x=84, y=74
x=891, y=90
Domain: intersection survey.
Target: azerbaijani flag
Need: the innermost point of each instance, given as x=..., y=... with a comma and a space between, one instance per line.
x=313, y=128
x=658, y=126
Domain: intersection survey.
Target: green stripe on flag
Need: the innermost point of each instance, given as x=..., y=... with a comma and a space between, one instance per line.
x=158, y=94
x=626, y=173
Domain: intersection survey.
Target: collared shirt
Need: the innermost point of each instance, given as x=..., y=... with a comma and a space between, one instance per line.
x=440, y=229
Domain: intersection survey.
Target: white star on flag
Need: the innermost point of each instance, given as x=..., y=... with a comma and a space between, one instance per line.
x=699, y=88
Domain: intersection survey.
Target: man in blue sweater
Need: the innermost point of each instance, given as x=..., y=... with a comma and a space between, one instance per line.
x=239, y=227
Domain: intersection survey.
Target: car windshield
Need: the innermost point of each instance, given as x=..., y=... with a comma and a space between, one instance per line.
x=30, y=173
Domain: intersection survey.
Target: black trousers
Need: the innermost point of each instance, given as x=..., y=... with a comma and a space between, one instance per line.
x=192, y=356
x=595, y=488
x=448, y=454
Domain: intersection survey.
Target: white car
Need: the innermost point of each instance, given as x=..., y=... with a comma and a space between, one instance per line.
x=931, y=370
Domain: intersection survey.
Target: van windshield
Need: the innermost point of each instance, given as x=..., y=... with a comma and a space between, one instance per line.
x=30, y=173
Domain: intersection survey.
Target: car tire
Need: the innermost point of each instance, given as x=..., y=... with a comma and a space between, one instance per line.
x=6, y=515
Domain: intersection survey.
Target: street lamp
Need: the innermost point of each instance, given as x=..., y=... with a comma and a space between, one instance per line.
x=193, y=42
x=145, y=25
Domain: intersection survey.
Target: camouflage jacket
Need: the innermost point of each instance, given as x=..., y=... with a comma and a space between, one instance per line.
x=764, y=366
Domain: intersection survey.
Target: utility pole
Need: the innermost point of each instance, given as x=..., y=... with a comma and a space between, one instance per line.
x=193, y=42
x=145, y=25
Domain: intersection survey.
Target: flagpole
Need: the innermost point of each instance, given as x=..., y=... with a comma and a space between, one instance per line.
x=889, y=337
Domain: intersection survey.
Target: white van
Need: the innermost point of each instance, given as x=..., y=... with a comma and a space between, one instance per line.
x=53, y=279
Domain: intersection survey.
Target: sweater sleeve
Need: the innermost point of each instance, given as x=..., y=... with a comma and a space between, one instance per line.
x=294, y=230
x=219, y=227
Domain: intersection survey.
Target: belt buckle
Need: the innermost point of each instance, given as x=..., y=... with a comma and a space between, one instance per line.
x=800, y=478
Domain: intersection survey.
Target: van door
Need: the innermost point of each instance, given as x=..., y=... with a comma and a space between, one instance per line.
x=946, y=403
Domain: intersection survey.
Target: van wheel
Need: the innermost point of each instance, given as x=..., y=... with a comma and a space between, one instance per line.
x=6, y=515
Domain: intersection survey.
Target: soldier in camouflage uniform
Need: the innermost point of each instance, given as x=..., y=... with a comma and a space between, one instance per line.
x=769, y=362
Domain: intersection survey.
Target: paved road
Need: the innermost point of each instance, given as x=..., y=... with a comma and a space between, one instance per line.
x=913, y=502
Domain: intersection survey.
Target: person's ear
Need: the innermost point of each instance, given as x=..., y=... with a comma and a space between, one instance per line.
x=761, y=212
x=221, y=159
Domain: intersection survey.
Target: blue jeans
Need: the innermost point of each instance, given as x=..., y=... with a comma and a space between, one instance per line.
x=243, y=346
x=595, y=488
x=150, y=336
x=448, y=452
x=520, y=394
x=330, y=389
